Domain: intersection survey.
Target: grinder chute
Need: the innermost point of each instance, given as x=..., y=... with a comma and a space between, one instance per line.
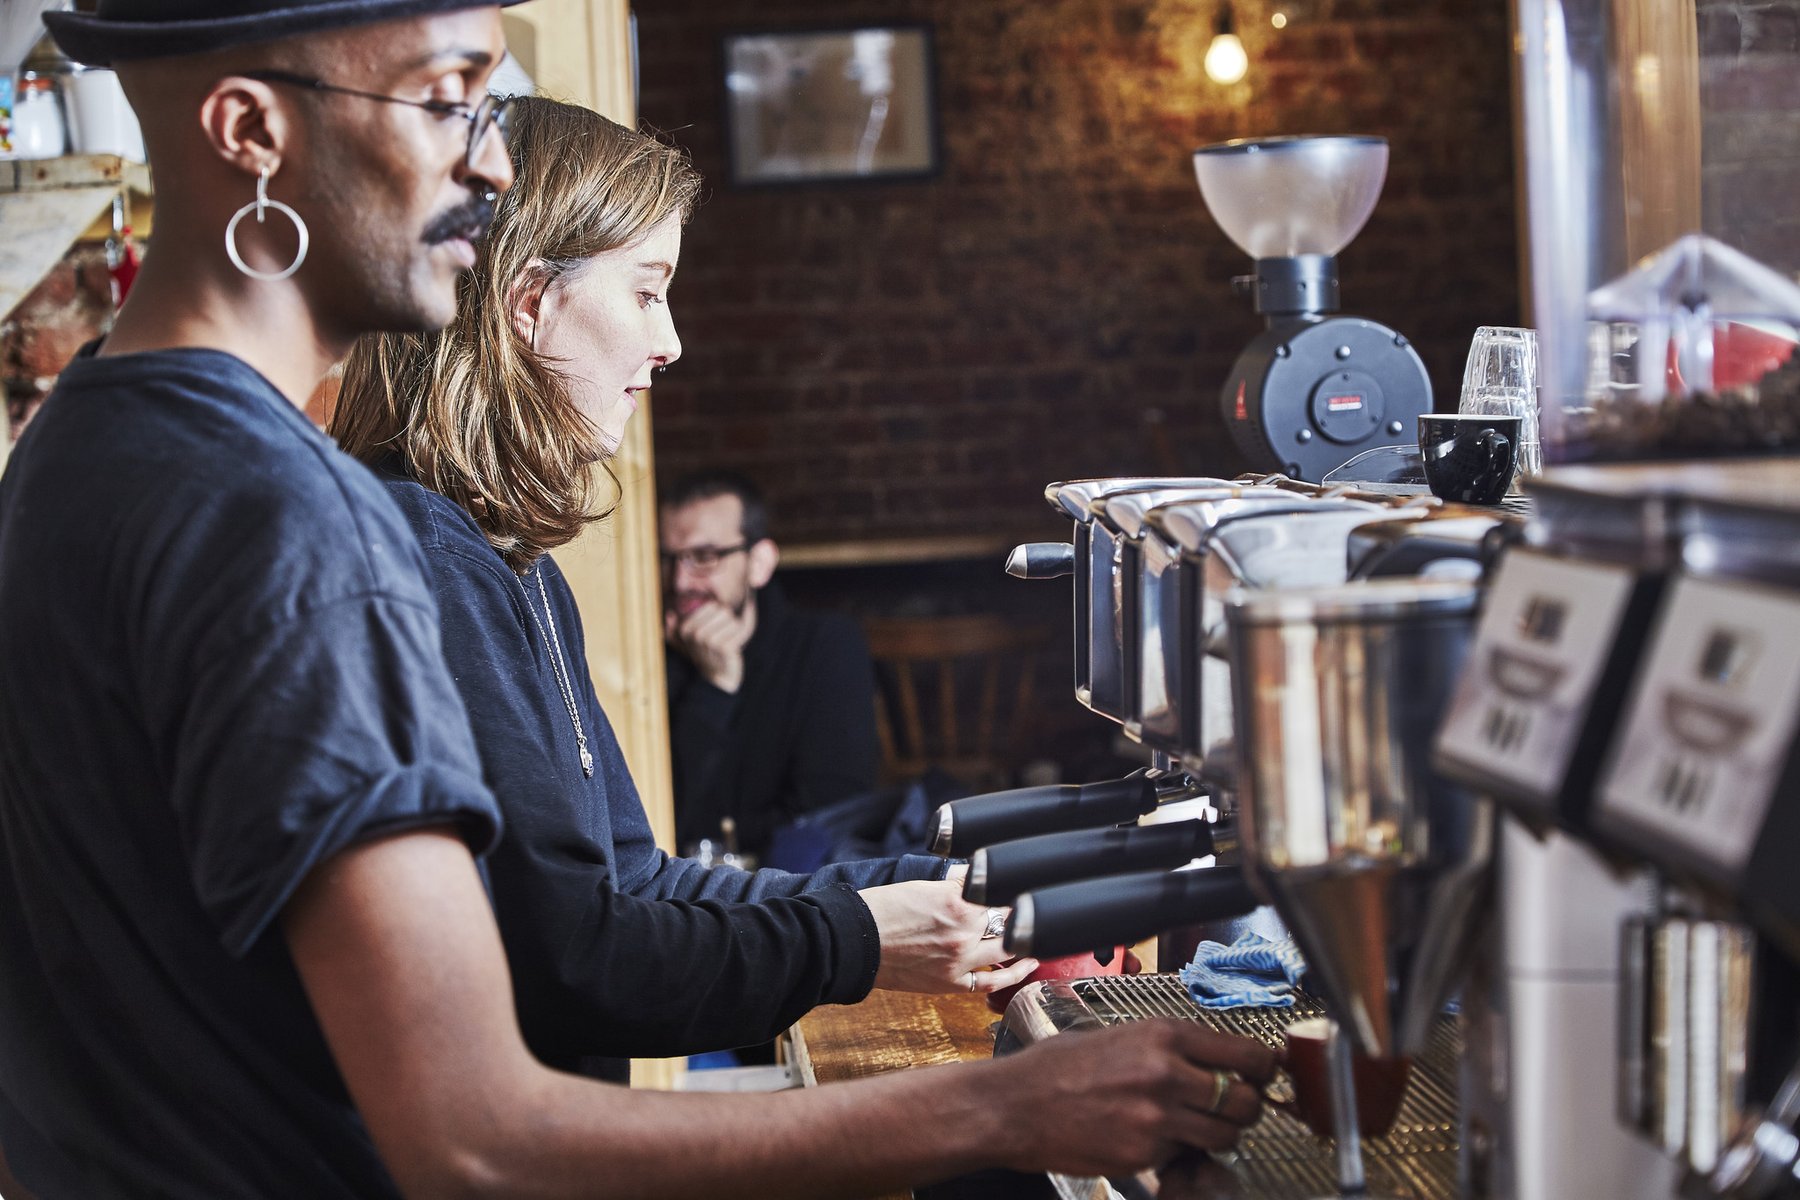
x=1314, y=389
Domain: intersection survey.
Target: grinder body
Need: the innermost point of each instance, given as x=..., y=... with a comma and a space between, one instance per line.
x=1311, y=392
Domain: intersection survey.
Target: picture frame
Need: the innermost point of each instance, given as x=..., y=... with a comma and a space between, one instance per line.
x=831, y=105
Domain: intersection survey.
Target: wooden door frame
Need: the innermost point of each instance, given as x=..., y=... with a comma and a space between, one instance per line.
x=580, y=51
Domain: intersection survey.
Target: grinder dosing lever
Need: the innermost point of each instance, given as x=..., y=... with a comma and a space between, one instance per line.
x=998, y=873
x=1073, y=918
x=966, y=825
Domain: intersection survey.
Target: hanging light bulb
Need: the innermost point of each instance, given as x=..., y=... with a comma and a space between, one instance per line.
x=1225, y=60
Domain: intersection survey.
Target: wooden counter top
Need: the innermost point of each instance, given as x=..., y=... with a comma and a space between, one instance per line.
x=888, y=1032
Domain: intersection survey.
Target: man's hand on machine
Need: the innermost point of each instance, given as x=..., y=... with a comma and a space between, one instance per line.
x=1108, y=1101
x=932, y=940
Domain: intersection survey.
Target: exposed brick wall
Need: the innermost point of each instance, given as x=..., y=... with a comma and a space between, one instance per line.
x=902, y=358
x=1750, y=164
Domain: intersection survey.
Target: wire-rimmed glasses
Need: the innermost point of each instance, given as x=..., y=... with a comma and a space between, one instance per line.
x=490, y=112
x=701, y=558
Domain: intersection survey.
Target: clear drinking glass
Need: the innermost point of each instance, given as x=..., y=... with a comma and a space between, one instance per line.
x=1501, y=379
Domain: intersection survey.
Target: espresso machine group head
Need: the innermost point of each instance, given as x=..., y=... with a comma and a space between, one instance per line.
x=1314, y=389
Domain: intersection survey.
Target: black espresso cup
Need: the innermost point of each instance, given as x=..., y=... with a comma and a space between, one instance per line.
x=1468, y=458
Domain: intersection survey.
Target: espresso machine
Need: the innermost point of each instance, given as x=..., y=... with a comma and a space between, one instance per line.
x=1374, y=865
x=1014, y=841
x=1159, y=554
x=1036, y=836
x=1092, y=557
x=1315, y=388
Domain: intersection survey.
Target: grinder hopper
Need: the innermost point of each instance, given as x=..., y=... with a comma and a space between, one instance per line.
x=1282, y=197
x=1313, y=390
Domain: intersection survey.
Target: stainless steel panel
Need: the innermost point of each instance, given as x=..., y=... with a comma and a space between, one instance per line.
x=1380, y=868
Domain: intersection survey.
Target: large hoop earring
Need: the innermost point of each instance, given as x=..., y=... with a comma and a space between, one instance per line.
x=260, y=206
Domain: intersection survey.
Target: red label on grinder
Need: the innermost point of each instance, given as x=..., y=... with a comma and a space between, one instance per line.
x=1243, y=413
x=1343, y=403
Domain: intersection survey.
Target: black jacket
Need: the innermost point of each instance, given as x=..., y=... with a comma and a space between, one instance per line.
x=798, y=735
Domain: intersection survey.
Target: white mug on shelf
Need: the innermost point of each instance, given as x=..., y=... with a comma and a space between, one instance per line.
x=101, y=120
x=39, y=127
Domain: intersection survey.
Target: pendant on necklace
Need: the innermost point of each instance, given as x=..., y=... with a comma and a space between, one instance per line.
x=587, y=763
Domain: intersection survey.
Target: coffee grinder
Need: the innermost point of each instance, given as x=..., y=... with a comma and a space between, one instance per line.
x=1602, y=599
x=1315, y=388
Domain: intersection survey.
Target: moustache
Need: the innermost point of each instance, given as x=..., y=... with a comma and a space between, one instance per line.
x=469, y=220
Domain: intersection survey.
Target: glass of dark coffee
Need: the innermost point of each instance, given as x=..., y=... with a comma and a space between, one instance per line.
x=1469, y=458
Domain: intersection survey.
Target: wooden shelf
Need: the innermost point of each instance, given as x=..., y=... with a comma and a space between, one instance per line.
x=49, y=204
x=73, y=171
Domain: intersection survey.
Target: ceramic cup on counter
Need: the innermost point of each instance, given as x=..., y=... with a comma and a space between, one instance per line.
x=1468, y=458
x=1380, y=1082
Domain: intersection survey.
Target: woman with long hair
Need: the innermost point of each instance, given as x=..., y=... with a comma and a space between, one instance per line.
x=487, y=434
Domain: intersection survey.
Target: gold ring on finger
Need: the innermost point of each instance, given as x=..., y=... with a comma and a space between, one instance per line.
x=1221, y=1086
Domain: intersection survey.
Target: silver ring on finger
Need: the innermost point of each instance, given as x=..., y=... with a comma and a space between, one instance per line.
x=996, y=924
x=971, y=981
x=1221, y=1086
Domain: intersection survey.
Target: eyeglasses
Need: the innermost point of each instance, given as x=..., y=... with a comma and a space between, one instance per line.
x=701, y=558
x=493, y=112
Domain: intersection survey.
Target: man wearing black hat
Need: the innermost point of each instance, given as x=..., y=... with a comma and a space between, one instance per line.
x=244, y=944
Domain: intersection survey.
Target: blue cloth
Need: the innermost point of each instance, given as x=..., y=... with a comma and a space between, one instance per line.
x=1252, y=972
x=219, y=666
x=618, y=950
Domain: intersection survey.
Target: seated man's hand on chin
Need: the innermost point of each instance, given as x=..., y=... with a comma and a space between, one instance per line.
x=713, y=638
x=932, y=940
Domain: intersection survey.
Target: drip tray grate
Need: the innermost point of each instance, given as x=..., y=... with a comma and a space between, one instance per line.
x=1279, y=1158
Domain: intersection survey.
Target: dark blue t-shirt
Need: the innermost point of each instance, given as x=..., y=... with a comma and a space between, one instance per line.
x=219, y=665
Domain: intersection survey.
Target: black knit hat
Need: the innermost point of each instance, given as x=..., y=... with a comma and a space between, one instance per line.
x=123, y=30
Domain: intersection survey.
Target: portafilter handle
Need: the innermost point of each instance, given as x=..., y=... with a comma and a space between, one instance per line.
x=1075, y=918
x=965, y=826
x=1041, y=560
x=998, y=873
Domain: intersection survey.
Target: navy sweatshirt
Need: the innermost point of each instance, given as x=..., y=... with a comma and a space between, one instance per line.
x=618, y=950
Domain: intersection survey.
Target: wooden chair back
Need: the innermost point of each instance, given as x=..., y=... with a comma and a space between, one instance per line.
x=954, y=693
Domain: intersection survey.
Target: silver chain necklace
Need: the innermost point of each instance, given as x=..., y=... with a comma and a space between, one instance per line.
x=558, y=667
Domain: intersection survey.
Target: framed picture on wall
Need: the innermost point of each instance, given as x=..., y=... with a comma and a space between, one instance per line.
x=807, y=106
